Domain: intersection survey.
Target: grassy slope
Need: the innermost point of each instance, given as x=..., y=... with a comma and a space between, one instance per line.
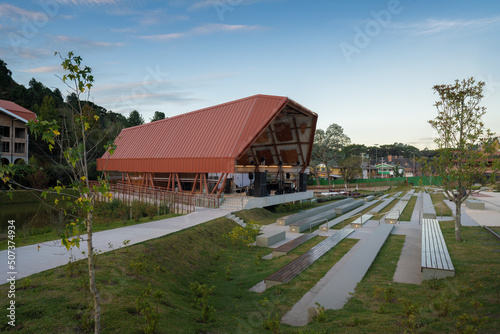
x=54, y=302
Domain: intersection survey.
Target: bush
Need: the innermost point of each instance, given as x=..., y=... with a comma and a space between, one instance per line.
x=245, y=235
x=113, y=209
x=151, y=210
x=138, y=210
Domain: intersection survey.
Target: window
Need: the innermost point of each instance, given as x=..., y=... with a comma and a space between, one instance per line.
x=20, y=133
x=19, y=147
x=4, y=131
x=5, y=147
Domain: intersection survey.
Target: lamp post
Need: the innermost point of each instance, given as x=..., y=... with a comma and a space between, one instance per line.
x=376, y=151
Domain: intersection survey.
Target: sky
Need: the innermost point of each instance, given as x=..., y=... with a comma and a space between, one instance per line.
x=368, y=65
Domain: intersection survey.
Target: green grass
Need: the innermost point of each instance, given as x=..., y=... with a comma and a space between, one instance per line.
x=51, y=301
x=408, y=211
x=54, y=302
x=31, y=236
x=437, y=198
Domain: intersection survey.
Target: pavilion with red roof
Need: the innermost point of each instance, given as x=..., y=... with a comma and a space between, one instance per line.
x=268, y=139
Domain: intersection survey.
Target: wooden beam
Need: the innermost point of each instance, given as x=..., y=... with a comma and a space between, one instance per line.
x=205, y=179
x=217, y=184
x=194, y=183
x=223, y=183
x=298, y=141
x=178, y=181
x=169, y=180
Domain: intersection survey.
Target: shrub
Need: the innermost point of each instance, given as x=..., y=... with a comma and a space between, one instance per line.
x=245, y=235
x=151, y=210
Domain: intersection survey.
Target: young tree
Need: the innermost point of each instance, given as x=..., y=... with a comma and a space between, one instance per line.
x=327, y=146
x=350, y=168
x=463, y=141
x=79, y=207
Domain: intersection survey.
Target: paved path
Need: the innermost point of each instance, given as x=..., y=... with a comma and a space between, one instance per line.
x=31, y=259
x=334, y=289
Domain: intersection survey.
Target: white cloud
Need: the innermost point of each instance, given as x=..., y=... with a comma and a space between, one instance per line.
x=88, y=2
x=43, y=69
x=85, y=43
x=203, y=30
x=435, y=26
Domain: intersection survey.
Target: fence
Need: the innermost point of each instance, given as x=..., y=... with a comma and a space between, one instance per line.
x=178, y=202
x=392, y=181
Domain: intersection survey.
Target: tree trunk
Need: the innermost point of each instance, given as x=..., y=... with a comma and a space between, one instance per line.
x=328, y=175
x=317, y=176
x=458, y=221
x=92, y=284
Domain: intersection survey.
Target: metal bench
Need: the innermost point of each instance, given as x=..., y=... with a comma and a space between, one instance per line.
x=428, y=210
x=285, y=248
x=436, y=261
x=393, y=215
x=270, y=238
x=287, y=220
x=294, y=268
x=360, y=221
x=407, y=197
x=309, y=222
x=349, y=206
x=369, y=198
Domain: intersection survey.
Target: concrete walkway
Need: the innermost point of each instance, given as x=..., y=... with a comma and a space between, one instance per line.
x=31, y=259
x=334, y=289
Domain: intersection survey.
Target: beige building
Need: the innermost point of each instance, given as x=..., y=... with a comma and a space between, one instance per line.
x=14, y=137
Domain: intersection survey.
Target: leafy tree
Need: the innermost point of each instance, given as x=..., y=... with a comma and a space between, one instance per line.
x=354, y=150
x=158, y=116
x=79, y=207
x=463, y=141
x=135, y=119
x=350, y=168
x=328, y=145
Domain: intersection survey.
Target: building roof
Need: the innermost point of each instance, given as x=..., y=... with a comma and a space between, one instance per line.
x=208, y=140
x=16, y=109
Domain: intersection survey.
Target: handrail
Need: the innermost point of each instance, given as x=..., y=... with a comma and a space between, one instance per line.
x=431, y=206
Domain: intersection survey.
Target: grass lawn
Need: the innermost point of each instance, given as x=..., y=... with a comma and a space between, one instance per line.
x=408, y=211
x=155, y=276
x=437, y=198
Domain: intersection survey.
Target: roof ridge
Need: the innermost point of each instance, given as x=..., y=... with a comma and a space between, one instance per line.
x=204, y=109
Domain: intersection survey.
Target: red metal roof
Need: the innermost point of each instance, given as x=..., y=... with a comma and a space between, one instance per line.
x=203, y=141
x=18, y=110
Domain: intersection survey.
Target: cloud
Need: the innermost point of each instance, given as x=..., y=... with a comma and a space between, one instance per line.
x=202, y=30
x=434, y=26
x=148, y=17
x=43, y=69
x=85, y=43
x=13, y=14
x=221, y=3
x=88, y=2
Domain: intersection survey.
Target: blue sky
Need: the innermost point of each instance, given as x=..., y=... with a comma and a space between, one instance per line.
x=368, y=66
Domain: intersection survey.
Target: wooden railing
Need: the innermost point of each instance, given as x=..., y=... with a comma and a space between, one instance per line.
x=178, y=202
